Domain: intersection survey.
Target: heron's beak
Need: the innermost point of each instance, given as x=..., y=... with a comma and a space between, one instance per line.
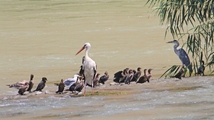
x=80, y=50
x=170, y=42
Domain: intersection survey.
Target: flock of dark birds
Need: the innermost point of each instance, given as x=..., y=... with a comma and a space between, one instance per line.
x=72, y=84
x=76, y=84
x=129, y=75
x=88, y=75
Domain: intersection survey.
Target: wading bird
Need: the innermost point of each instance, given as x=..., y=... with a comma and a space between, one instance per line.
x=61, y=87
x=41, y=85
x=182, y=56
x=23, y=88
x=30, y=83
x=89, y=66
x=143, y=78
x=201, y=68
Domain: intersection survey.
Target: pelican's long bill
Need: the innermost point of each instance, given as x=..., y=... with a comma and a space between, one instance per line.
x=80, y=50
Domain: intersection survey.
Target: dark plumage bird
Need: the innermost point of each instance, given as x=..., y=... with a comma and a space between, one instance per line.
x=61, y=87
x=104, y=78
x=77, y=86
x=201, y=69
x=182, y=56
x=117, y=76
x=41, y=85
x=23, y=88
x=96, y=81
x=149, y=75
x=124, y=75
x=143, y=78
x=30, y=83
x=179, y=74
x=137, y=75
x=81, y=72
x=129, y=77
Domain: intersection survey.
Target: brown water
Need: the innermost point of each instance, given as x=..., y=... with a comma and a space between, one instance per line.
x=42, y=37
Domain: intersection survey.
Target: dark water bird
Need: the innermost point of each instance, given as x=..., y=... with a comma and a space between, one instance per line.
x=124, y=75
x=30, y=83
x=129, y=77
x=143, y=78
x=96, y=81
x=89, y=67
x=77, y=86
x=61, y=87
x=182, y=56
x=179, y=74
x=137, y=74
x=23, y=88
x=117, y=76
x=201, y=69
x=120, y=76
x=81, y=71
x=149, y=75
x=104, y=78
x=41, y=85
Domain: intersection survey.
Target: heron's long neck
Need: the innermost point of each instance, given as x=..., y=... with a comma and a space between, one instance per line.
x=175, y=47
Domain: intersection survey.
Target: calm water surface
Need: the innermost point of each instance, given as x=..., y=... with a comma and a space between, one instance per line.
x=42, y=37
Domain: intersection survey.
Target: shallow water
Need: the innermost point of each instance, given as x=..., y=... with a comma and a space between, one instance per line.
x=42, y=37
x=190, y=98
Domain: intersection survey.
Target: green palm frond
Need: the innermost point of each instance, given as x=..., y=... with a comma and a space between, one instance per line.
x=171, y=71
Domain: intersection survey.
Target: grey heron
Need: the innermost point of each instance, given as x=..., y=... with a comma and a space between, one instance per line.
x=182, y=56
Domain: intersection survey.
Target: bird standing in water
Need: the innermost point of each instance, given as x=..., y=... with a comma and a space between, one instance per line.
x=179, y=74
x=89, y=66
x=41, y=85
x=104, y=78
x=30, y=83
x=182, y=56
x=201, y=68
x=149, y=75
x=61, y=87
x=143, y=78
x=23, y=88
x=137, y=74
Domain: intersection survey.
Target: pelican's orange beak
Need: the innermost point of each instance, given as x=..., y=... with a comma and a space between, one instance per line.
x=79, y=50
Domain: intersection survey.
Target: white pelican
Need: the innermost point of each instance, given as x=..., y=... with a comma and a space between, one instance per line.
x=89, y=67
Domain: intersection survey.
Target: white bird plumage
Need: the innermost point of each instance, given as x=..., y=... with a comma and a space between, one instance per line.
x=70, y=81
x=89, y=66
